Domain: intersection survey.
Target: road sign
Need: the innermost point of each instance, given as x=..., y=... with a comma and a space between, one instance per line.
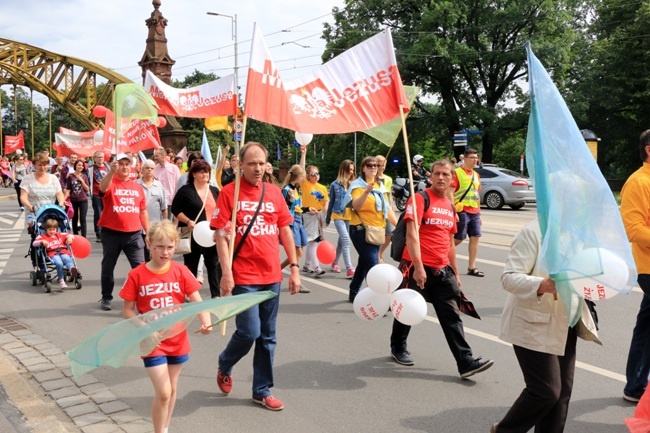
x=238, y=127
x=236, y=136
x=460, y=139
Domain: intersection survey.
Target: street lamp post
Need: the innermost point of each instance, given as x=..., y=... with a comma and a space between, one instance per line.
x=234, y=38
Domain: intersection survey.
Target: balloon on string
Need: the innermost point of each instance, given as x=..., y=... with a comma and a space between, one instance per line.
x=384, y=279
x=408, y=306
x=80, y=247
x=368, y=305
x=326, y=253
x=162, y=122
x=99, y=111
x=304, y=139
x=98, y=136
x=203, y=234
x=597, y=274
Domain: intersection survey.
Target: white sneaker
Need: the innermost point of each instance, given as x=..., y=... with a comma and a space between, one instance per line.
x=62, y=284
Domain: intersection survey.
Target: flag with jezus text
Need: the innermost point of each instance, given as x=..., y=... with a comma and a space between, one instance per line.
x=357, y=90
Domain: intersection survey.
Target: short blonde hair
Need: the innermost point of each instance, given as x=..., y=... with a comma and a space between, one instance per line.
x=148, y=163
x=163, y=229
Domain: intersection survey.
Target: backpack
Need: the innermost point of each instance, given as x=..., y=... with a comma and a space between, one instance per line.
x=398, y=241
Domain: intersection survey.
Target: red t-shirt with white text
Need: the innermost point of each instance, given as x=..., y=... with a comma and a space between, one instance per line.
x=56, y=244
x=438, y=225
x=123, y=202
x=151, y=291
x=258, y=261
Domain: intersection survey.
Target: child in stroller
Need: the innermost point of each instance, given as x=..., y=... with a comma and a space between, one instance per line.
x=53, y=251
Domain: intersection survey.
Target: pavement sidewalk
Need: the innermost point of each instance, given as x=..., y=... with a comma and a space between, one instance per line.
x=42, y=396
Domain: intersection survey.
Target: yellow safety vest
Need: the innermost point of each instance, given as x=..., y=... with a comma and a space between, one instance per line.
x=471, y=199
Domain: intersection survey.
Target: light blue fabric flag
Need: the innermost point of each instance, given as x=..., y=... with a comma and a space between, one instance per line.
x=205, y=149
x=584, y=245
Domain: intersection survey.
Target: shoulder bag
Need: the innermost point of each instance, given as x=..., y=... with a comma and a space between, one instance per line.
x=184, y=233
x=374, y=235
x=250, y=225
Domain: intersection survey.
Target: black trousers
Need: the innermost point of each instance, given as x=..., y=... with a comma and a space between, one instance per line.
x=442, y=291
x=79, y=218
x=113, y=243
x=544, y=403
x=211, y=260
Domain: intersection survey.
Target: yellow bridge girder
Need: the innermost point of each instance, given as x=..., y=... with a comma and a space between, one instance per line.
x=63, y=79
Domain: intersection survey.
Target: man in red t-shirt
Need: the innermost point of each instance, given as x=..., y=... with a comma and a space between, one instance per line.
x=122, y=220
x=256, y=268
x=429, y=266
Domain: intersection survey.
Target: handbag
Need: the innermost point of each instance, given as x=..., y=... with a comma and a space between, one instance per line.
x=374, y=235
x=459, y=206
x=184, y=233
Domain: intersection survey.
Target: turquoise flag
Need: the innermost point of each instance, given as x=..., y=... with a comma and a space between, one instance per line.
x=113, y=345
x=584, y=245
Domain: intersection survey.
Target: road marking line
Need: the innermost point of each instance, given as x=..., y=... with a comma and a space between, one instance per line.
x=493, y=338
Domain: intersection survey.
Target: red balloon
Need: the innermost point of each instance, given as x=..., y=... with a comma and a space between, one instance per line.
x=99, y=111
x=326, y=253
x=80, y=247
x=161, y=122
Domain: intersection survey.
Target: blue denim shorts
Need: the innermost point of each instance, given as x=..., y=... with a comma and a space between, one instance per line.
x=299, y=235
x=468, y=224
x=154, y=361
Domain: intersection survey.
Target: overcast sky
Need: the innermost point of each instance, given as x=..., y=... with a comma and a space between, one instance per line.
x=113, y=33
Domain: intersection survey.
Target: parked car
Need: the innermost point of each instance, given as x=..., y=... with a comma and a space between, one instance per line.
x=500, y=186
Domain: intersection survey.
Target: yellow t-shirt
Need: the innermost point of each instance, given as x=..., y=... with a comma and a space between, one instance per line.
x=311, y=192
x=371, y=216
x=344, y=216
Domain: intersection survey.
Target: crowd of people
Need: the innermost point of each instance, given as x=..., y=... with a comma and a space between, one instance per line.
x=134, y=201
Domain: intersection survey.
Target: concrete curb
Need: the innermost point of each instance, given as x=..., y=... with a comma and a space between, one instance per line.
x=89, y=404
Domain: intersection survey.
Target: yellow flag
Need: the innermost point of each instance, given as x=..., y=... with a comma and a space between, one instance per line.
x=217, y=123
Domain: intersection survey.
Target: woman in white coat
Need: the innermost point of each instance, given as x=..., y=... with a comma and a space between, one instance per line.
x=535, y=321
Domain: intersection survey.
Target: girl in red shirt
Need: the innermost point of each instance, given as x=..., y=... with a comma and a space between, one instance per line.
x=161, y=283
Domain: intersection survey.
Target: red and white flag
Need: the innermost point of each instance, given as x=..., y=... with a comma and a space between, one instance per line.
x=216, y=98
x=14, y=142
x=80, y=143
x=85, y=134
x=357, y=90
x=141, y=135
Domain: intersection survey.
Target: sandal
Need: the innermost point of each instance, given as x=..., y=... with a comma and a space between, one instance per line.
x=475, y=272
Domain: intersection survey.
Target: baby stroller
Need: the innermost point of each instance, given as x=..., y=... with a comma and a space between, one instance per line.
x=44, y=270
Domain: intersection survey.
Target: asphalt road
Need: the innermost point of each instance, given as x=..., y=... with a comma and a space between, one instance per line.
x=333, y=371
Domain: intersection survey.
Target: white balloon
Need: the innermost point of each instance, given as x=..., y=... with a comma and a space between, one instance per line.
x=408, y=306
x=598, y=274
x=98, y=136
x=369, y=305
x=304, y=139
x=384, y=278
x=203, y=234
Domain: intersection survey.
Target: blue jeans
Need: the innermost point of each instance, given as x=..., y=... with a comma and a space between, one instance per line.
x=638, y=359
x=368, y=257
x=59, y=261
x=343, y=245
x=255, y=325
x=98, y=208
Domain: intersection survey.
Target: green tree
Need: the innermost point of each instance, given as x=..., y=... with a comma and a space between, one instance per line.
x=616, y=84
x=468, y=54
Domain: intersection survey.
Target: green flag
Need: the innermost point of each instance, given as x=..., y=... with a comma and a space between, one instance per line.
x=387, y=133
x=131, y=101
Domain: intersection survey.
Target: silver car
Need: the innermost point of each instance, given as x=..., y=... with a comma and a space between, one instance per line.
x=500, y=186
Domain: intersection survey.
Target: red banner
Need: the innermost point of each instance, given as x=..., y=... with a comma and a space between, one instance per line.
x=358, y=90
x=80, y=144
x=141, y=135
x=14, y=142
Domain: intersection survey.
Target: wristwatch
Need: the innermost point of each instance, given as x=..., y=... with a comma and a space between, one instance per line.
x=294, y=265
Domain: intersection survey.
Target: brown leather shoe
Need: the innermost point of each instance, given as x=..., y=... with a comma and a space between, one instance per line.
x=493, y=429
